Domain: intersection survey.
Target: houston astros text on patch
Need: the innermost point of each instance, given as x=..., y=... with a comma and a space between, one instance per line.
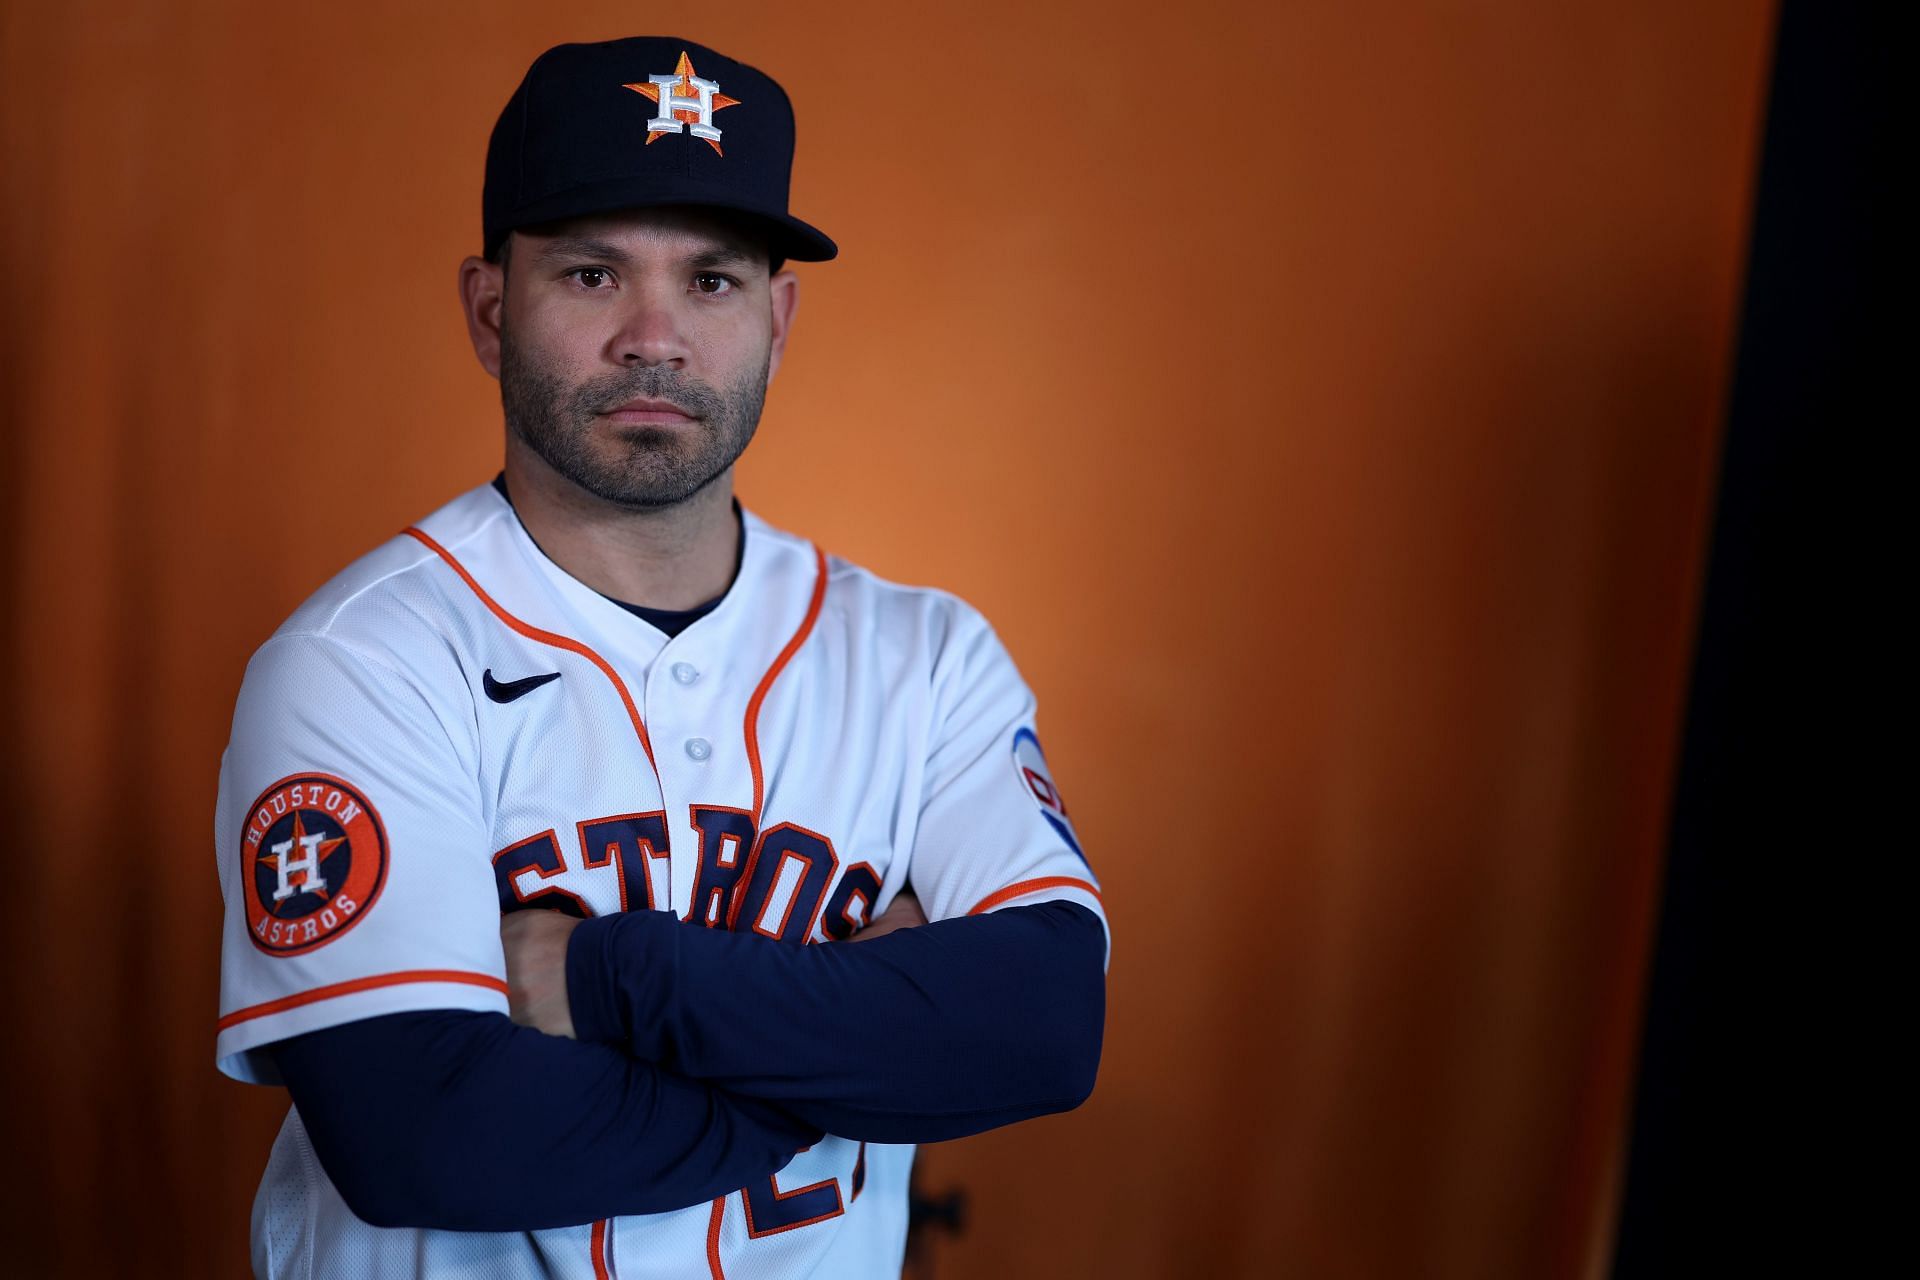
x=621, y=886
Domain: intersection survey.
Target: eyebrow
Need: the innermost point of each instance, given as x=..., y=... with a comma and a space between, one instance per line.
x=726, y=256
x=574, y=247
x=582, y=247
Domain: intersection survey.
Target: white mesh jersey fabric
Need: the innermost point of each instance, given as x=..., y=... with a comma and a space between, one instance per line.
x=882, y=729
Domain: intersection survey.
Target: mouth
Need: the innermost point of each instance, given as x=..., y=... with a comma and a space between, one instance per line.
x=649, y=413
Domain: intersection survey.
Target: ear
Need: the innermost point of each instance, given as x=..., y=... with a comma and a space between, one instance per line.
x=482, y=296
x=784, y=291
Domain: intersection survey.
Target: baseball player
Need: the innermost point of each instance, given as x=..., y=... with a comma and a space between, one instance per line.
x=542, y=826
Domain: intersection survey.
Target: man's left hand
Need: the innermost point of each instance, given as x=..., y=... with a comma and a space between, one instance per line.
x=536, y=947
x=903, y=913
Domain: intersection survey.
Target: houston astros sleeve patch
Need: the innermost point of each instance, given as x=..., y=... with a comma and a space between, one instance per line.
x=315, y=859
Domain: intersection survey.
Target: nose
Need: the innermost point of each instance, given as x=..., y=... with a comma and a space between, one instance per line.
x=651, y=330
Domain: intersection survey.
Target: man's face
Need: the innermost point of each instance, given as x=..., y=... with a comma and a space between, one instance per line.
x=635, y=349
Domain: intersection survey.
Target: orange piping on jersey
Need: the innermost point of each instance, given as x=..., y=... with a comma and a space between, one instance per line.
x=1025, y=887
x=348, y=988
x=713, y=1238
x=544, y=637
x=598, y=1247
x=753, y=724
x=773, y=673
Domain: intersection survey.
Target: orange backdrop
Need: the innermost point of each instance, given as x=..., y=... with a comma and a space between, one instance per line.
x=1321, y=398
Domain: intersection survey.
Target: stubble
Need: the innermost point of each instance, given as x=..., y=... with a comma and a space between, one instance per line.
x=641, y=468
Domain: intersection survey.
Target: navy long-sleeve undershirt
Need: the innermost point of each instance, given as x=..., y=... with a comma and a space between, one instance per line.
x=463, y=1121
x=925, y=1034
x=718, y=1056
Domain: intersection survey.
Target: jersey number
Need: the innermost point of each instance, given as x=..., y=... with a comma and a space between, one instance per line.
x=771, y=1210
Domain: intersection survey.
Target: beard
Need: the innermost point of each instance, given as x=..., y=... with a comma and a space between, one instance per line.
x=641, y=468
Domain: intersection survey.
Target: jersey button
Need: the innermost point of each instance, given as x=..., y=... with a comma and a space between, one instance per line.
x=699, y=748
x=685, y=672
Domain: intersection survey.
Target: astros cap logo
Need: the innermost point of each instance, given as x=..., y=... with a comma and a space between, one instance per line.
x=685, y=100
x=315, y=859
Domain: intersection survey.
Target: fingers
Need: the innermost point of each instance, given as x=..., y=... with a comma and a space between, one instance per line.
x=902, y=913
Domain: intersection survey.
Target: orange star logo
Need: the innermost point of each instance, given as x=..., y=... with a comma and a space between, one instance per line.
x=684, y=90
x=300, y=833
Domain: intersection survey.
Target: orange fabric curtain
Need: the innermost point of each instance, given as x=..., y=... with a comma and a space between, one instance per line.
x=1321, y=398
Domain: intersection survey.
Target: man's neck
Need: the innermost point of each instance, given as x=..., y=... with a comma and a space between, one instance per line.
x=674, y=558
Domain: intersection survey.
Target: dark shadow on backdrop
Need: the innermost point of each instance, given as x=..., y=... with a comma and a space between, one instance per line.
x=1736, y=1146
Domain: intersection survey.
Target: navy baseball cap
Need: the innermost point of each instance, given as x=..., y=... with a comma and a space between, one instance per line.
x=649, y=120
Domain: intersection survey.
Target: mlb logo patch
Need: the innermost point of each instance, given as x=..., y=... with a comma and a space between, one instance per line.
x=1030, y=766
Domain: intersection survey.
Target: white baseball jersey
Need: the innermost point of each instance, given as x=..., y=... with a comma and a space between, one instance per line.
x=396, y=773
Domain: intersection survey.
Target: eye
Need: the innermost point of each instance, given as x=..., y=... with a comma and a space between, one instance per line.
x=713, y=284
x=592, y=278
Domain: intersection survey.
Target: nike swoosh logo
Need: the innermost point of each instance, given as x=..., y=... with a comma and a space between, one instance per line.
x=507, y=691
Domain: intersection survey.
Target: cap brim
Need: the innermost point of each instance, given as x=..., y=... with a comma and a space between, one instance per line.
x=788, y=236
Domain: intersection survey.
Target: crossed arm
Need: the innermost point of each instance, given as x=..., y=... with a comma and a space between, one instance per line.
x=661, y=1064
